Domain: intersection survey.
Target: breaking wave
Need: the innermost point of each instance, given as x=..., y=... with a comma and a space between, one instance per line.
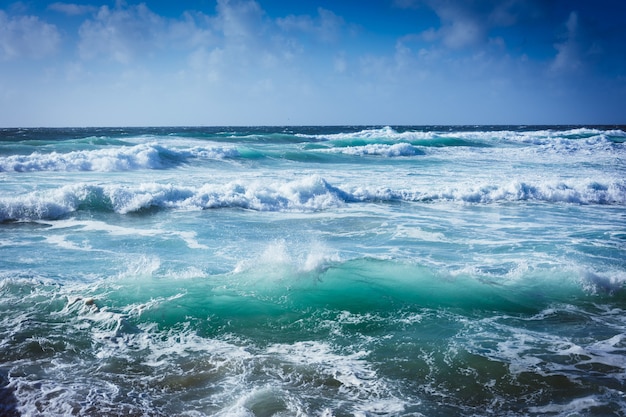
x=398, y=149
x=142, y=156
x=470, y=132
x=312, y=193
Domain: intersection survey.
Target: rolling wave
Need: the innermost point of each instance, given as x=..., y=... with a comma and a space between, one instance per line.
x=125, y=158
x=471, y=133
x=309, y=194
x=395, y=150
x=184, y=343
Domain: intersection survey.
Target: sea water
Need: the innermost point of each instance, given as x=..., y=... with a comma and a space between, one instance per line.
x=313, y=271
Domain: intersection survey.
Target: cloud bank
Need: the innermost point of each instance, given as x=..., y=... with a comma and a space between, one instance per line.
x=238, y=62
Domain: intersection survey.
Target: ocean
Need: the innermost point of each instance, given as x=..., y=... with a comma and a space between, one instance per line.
x=313, y=271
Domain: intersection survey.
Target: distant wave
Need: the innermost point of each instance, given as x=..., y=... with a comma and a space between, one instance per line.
x=474, y=137
x=309, y=194
x=142, y=156
x=163, y=152
x=589, y=192
x=377, y=149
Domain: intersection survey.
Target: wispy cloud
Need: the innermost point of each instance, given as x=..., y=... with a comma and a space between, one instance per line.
x=469, y=23
x=72, y=9
x=27, y=37
x=120, y=33
x=459, y=28
x=326, y=26
x=568, y=57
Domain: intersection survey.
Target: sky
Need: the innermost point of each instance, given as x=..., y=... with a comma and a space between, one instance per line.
x=312, y=62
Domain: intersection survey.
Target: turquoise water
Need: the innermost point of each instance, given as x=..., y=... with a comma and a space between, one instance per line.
x=313, y=271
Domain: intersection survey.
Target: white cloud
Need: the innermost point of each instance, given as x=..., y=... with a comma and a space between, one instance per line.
x=236, y=64
x=468, y=23
x=340, y=63
x=462, y=32
x=326, y=26
x=568, y=56
x=460, y=27
x=247, y=47
x=127, y=33
x=121, y=33
x=26, y=37
x=508, y=12
x=241, y=22
x=72, y=9
x=208, y=64
x=193, y=30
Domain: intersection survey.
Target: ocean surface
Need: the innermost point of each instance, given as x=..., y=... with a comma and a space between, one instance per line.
x=313, y=271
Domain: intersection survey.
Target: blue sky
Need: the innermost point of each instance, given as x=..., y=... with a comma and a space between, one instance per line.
x=294, y=62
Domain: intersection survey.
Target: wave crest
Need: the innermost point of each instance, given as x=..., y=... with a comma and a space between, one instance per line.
x=126, y=158
x=395, y=150
x=473, y=137
x=308, y=194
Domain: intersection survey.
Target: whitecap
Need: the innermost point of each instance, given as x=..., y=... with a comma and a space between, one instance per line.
x=395, y=150
x=124, y=158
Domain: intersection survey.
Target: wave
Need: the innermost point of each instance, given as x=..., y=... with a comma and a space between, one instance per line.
x=351, y=336
x=171, y=150
x=399, y=149
x=142, y=156
x=456, y=136
x=309, y=194
x=589, y=192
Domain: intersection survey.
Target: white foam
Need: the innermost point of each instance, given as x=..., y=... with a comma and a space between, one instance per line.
x=256, y=401
x=319, y=257
x=142, y=266
x=311, y=193
x=574, y=407
x=526, y=350
x=124, y=158
x=189, y=237
x=298, y=257
x=351, y=370
x=307, y=194
x=395, y=150
x=586, y=192
x=376, y=133
x=61, y=386
x=536, y=137
x=607, y=281
x=184, y=343
x=62, y=242
x=415, y=232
